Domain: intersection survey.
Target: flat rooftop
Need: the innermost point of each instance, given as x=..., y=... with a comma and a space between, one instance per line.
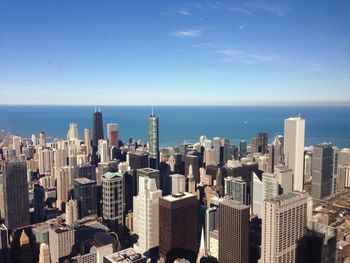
x=127, y=255
x=177, y=196
x=84, y=180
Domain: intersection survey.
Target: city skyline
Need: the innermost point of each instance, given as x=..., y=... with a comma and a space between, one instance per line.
x=210, y=53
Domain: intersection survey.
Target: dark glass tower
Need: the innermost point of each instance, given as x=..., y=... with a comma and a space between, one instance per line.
x=97, y=134
x=86, y=196
x=153, y=134
x=39, y=203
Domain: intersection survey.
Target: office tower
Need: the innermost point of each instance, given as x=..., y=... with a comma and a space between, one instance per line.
x=85, y=194
x=262, y=142
x=39, y=203
x=319, y=244
x=307, y=167
x=97, y=134
x=73, y=131
x=42, y=139
x=270, y=186
x=285, y=178
x=233, y=232
x=294, y=136
x=44, y=255
x=343, y=173
x=153, y=137
x=59, y=158
x=61, y=240
x=192, y=159
x=322, y=171
x=113, y=134
x=45, y=160
x=335, y=169
x=14, y=194
x=103, y=151
x=216, y=149
x=148, y=172
x=218, y=181
x=284, y=222
x=177, y=225
x=271, y=159
x=138, y=160
x=71, y=212
x=242, y=148
x=257, y=194
x=178, y=183
x=191, y=181
x=63, y=186
x=113, y=197
x=146, y=214
x=16, y=145
x=277, y=144
x=87, y=171
x=34, y=140
x=87, y=140
x=236, y=189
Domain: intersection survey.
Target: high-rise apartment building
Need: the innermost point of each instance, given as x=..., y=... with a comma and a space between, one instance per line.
x=153, y=144
x=294, y=136
x=113, y=134
x=87, y=140
x=233, y=232
x=177, y=225
x=85, y=195
x=146, y=214
x=322, y=171
x=284, y=223
x=61, y=240
x=14, y=197
x=343, y=173
x=71, y=212
x=46, y=160
x=113, y=197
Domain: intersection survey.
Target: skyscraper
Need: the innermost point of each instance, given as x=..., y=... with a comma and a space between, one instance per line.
x=284, y=222
x=294, y=136
x=236, y=188
x=322, y=171
x=153, y=137
x=233, y=232
x=191, y=181
x=85, y=194
x=61, y=240
x=146, y=214
x=113, y=197
x=71, y=212
x=242, y=148
x=87, y=140
x=97, y=134
x=39, y=203
x=178, y=183
x=14, y=197
x=113, y=134
x=177, y=226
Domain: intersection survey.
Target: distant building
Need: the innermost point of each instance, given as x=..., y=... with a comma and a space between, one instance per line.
x=86, y=196
x=322, y=171
x=14, y=197
x=242, y=148
x=177, y=226
x=233, y=232
x=113, y=134
x=39, y=203
x=294, y=136
x=284, y=222
x=97, y=134
x=153, y=137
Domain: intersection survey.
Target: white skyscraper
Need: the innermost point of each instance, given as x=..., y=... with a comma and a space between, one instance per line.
x=294, y=136
x=178, y=183
x=146, y=214
x=45, y=160
x=103, y=150
x=113, y=196
x=73, y=131
x=16, y=145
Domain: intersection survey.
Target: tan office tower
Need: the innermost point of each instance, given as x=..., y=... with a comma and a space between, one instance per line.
x=61, y=240
x=284, y=222
x=71, y=212
x=233, y=232
x=87, y=140
x=294, y=136
x=44, y=256
x=177, y=226
x=73, y=131
x=62, y=179
x=191, y=181
x=113, y=134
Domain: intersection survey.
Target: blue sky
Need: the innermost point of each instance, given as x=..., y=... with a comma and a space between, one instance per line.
x=174, y=52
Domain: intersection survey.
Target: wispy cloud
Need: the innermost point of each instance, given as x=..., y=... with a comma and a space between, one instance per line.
x=247, y=7
x=243, y=26
x=189, y=33
x=183, y=12
x=247, y=57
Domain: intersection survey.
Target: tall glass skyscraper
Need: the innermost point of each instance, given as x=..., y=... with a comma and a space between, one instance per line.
x=97, y=133
x=153, y=134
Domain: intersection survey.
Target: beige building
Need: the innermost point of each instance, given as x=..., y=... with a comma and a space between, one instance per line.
x=284, y=221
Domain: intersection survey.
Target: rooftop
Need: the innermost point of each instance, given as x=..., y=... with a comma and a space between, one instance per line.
x=84, y=180
x=177, y=196
x=110, y=175
x=127, y=255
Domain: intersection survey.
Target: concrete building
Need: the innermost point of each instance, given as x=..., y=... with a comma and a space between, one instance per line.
x=177, y=226
x=148, y=172
x=45, y=160
x=343, y=174
x=191, y=181
x=63, y=186
x=146, y=214
x=285, y=178
x=178, y=183
x=14, y=197
x=44, y=254
x=71, y=212
x=233, y=232
x=87, y=140
x=113, y=134
x=113, y=197
x=61, y=240
x=294, y=136
x=284, y=222
x=322, y=171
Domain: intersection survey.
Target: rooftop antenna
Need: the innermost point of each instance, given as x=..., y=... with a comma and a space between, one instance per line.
x=99, y=105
